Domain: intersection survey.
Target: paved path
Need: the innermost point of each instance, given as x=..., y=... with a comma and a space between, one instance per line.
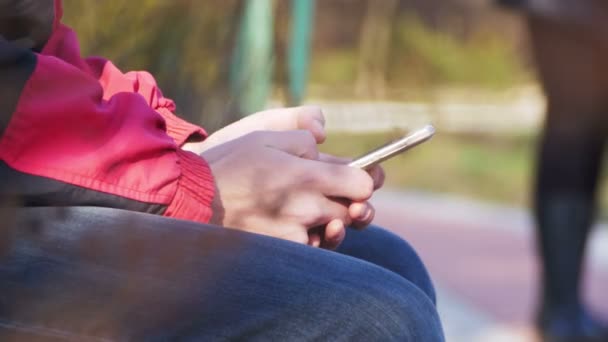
x=513, y=115
x=514, y=111
x=483, y=261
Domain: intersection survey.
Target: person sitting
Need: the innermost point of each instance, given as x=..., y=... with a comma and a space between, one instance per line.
x=122, y=221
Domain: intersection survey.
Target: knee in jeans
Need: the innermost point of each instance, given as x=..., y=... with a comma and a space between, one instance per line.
x=388, y=250
x=388, y=308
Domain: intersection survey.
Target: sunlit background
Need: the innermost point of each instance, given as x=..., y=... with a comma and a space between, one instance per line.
x=378, y=68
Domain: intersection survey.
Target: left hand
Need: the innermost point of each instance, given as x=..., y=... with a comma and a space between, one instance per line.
x=308, y=118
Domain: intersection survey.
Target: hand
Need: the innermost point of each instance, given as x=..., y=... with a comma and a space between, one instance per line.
x=272, y=183
x=308, y=118
x=360, y=215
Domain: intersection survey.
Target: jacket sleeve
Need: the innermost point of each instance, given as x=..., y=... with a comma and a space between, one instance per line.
x=67, y=139
x=113, y=81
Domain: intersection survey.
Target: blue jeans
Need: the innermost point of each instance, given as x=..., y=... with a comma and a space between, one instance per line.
x=83, y=273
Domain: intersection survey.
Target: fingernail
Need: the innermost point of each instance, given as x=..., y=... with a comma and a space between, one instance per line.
x=318, y=131
x=339, y=224
x=364, y=214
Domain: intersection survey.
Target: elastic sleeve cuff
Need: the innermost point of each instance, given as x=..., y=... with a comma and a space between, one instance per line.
x=195, y=190
x=179, y=129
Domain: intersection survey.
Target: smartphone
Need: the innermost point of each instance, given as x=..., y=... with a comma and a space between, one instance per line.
x=392, y=149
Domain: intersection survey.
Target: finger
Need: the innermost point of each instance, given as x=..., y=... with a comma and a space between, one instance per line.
x=281, y=119
x=335, y=180
x=376, y=172
x=337, y=209
x=326, y=210
x=282, y=229
x=328, y=158
x=378, y=175
x=362, y=214
x=357, y=210
x=288, y=231
x=309, y=118
x=312, y=210
x=334, y=234
x=314, y=239
x=300, y=143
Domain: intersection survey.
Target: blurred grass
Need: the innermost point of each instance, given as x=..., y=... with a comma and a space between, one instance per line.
x=422, y=59
x=429, y=58
x=334, y=67
x=492, y=169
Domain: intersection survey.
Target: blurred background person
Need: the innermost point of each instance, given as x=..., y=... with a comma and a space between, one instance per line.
x=570, y=44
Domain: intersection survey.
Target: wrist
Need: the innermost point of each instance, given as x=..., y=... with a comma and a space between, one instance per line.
x=217, y=208
x=195, y=190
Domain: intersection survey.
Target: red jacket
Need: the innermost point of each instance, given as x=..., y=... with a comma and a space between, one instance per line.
x=78, y=131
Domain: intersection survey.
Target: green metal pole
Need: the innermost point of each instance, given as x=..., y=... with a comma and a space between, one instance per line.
x=298, y=53
x=252, y=61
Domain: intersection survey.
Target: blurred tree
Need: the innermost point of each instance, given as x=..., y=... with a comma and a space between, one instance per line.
x=302, y=22
x=374, y=45
x=273, y=35
x=363, y=44
x=184, y=43
x=253, y=59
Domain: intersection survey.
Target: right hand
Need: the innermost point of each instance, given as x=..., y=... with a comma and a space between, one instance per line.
x=271, y=183
x=361, y=214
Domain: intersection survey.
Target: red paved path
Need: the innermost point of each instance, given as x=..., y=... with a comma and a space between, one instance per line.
x=493, y=270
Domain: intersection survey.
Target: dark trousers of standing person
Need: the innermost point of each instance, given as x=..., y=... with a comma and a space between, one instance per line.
x=573, y=66
x=84, y=273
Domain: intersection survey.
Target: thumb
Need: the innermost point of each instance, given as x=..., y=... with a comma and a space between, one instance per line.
x=309, y=118
x=300, y=143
